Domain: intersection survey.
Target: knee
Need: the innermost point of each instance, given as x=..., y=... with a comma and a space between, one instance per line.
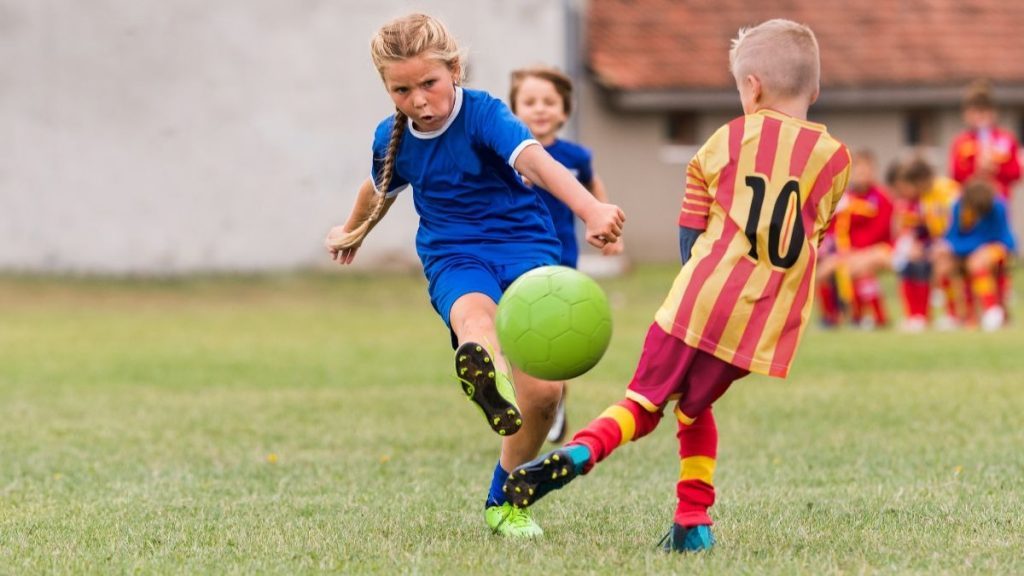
x=539, y=393
x=477, y=323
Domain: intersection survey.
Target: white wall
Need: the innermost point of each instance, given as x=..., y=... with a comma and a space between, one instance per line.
x=168, y=136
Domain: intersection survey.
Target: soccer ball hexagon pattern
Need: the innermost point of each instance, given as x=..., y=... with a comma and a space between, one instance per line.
x=554, y=323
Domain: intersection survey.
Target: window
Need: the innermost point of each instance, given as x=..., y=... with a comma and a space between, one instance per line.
x=920, y=128
x=681, y=128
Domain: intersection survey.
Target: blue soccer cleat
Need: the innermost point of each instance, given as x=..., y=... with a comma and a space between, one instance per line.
x=684, y=540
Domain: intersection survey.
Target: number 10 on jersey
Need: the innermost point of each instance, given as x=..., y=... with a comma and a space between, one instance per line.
x=787, y=203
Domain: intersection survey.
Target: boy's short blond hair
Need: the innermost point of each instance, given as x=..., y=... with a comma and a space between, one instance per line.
x=782, y=54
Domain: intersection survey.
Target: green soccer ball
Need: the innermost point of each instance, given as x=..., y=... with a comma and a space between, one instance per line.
x=554, y=323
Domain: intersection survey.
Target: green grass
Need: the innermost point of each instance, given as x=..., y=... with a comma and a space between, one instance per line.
x=310, y=423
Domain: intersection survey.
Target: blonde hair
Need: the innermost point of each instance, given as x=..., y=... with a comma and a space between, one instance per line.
x=558, y=79
x=401, y=39
x=782, y=54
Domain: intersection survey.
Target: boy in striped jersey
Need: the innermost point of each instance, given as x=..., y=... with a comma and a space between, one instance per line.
x=759, y=197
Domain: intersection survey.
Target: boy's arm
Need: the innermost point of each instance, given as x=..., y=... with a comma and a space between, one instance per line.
x=687, y=237
x=957, y=163
x=1009, y=171
x=839, y=184
x=596, y=187
x=603, y=221
x=343, y=241
x=693, y=216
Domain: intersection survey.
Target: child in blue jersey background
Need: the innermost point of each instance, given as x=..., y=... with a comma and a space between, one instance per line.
x=978, y=245
x=542, y=98
x=462, y=151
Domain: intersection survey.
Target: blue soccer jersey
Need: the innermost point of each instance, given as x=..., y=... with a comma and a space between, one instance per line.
x=967, y=233
x=576, y=159
x=469, y=198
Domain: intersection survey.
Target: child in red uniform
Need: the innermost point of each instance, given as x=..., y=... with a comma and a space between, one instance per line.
x=759, y=196
x=924, y=203
x=860, y=241
x=984, y=149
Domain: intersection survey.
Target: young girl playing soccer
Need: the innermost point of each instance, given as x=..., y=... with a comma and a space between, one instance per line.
x=480, y=226
x=542, y=98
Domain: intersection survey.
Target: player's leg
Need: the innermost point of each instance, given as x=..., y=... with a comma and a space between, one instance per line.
x=829, y=274
x=660, y=371
x=483, y=372
x=707, y=380
x=915, y=286
x=865, y=266
x=560, y=422
x=479, y=365
x=981, y=266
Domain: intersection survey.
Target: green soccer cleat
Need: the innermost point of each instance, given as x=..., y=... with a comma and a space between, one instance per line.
x=531, y=481
x=507, y=520
x=684, y=540
x=488, y=388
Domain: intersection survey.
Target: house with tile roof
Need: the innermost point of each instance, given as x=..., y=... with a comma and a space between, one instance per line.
x=893, y=74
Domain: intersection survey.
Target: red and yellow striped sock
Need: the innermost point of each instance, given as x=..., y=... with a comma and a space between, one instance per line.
x=983, y=285
x=617, y=425
x=698, y=448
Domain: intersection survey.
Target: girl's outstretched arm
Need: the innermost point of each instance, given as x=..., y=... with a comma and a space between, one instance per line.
x=370, y=206
x=604, y=221
x=597, y=188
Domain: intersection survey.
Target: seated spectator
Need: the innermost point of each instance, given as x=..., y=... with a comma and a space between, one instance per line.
x=923, y=205
x=857, y=248
x=977, y=246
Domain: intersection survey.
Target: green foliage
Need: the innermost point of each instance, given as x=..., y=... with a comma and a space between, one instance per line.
x=313, y=424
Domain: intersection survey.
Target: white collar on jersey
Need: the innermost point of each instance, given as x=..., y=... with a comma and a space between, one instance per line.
x=451, y=118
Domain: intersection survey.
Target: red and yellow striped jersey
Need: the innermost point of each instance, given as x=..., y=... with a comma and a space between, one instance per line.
x=763, y=188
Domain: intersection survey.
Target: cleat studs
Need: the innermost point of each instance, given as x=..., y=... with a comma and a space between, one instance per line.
x=518, y=490
x=522, y=472
x=554, y=475
x=546, y=461
x=487, y=360
x=530, y=491
x=501, y=432
x=565, y=471
x=525, y=502
x=519, y=422
x=504, y=488
x=510, y=412
x=490, y=374
x=496, y=421
x=555, y=457
x=479, y=349
x=463, y=370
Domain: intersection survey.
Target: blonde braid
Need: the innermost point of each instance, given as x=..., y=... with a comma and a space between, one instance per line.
x=355, y=237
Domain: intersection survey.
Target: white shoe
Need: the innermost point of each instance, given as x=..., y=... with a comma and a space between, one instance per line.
x=946, y=323
x=914, y=324
x=993, y=319
x=559, y=426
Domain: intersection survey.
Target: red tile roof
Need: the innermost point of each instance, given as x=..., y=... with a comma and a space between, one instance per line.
x=683, y=44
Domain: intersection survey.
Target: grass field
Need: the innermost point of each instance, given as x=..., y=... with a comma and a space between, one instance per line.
x=310, y=423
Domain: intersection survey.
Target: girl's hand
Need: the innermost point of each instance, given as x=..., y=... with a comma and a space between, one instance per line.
x=340, y=246
x=604, y=224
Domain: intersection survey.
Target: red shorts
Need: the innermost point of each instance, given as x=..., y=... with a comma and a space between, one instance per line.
x=669, y=370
